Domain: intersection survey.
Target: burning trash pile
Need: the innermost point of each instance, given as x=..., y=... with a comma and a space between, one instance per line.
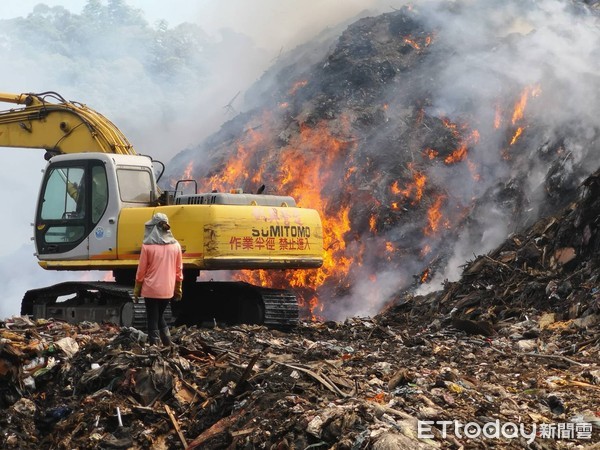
x=420, y=139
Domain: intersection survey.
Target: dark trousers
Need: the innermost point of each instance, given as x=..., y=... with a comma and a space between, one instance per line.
x=155, y=308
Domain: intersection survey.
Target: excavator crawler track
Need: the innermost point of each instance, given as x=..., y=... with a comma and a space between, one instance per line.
x=76, y=302
x=280, y=308
x=231, y=303
x=205, y=303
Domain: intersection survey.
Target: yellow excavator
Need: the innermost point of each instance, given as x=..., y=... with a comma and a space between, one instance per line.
x=97, y=193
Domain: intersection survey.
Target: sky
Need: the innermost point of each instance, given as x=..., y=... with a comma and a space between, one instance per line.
x=273, y=25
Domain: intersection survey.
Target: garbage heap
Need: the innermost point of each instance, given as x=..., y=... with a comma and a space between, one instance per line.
x=505, y=357
x=388, y=382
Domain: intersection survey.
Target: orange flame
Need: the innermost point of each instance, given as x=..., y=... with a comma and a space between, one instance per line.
x=518, y=115
x=497, y=118
x=430, y=153
x=412, y=43
x=516, y=136
x=235, y=173
x=187, y=173
x=305, y=190
x=451, y=126
x=415, y=189
x=434, y=216
x=460, y=154
x=426, y=41
x=316, y=150
x=457, y=155
x=373, y=224
x=519, y=110
x=297, y=85
x=520, y=107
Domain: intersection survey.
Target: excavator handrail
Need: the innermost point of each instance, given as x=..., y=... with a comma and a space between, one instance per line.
x=107, y=136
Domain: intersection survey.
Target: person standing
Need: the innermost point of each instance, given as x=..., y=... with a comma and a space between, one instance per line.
x=159, y=275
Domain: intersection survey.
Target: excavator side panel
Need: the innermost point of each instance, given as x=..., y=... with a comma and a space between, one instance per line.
x=259, y=237
x=218, y=237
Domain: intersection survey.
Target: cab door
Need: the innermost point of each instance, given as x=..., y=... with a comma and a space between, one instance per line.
x=74, y=219
x=62, y=219
x=105, y=206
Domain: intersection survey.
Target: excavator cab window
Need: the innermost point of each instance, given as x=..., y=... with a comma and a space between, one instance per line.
x=63, y=203
x=135, y=185
x=99, y=192
x=73, y=199
x=64, y=196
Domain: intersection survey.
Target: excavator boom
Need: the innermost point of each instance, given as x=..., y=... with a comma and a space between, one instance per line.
x=59, y=127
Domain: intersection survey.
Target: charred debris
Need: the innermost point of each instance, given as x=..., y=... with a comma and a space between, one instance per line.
x=360, y=132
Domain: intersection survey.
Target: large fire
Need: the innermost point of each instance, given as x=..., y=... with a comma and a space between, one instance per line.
x=319, y=165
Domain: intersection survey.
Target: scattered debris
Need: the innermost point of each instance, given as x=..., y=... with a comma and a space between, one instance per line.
x=364, y=383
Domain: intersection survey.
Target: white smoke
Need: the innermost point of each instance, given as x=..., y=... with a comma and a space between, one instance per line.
x=238, y=40
x=495, y=50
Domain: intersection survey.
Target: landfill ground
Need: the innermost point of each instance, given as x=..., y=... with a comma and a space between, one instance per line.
x=372, y=383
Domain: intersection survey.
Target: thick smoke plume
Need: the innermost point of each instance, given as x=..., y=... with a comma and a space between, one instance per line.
x=166, y=86
x=524, y=58
x=429, y=133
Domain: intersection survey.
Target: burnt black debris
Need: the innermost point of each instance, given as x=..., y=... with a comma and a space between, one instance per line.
x=414, y=177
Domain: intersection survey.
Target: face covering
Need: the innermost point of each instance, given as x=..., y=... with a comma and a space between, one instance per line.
x=158, y=231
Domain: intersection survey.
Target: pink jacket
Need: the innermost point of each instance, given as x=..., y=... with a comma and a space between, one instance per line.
x=160, y=266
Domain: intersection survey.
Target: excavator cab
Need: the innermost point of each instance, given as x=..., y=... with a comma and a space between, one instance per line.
x=76, y=228
x=80, y=200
